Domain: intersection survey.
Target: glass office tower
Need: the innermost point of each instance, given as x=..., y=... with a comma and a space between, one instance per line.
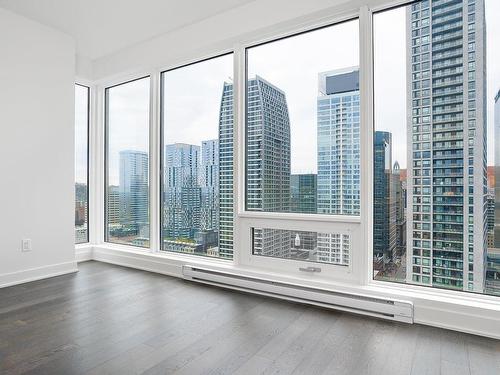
x=303, y=193
x=384, y=198
x=338, y=156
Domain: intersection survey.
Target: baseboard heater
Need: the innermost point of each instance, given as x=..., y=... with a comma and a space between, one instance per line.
x=401, y=311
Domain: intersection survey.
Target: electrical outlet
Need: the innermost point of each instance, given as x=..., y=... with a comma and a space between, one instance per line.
x=26, y=245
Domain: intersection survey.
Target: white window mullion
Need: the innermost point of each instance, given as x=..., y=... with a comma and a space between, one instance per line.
x=239, y=87
x=154, y=163
x=96, y=165
x=366, y=141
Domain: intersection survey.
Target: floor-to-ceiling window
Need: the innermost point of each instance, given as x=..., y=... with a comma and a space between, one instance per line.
x=197, y=158
x=436, y=153
x=82, y=96
x=271, y=167
x=127, y=163
x=303, y=140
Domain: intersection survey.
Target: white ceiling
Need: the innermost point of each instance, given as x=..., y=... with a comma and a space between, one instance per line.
x=101, y=27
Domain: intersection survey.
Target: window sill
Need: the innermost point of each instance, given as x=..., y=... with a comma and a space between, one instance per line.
x=458, y=311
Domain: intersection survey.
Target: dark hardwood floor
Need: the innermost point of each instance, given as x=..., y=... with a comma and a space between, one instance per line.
x=112, y=320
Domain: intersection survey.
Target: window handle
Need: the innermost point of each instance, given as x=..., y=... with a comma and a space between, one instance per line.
x=310, y=269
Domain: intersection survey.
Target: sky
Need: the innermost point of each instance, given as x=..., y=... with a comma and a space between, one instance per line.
x=389, y=68
x=128, y=123
x=81, y=121
x=293, y=65
x=193, y=93
x=192, y=98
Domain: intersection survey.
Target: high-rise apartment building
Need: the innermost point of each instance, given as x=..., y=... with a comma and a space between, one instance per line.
x=226, y=168
x=338, y=156
x=268, y=162
x=81, y=204
x=497, y=172
x=134, y=191
x=209, y=183
x=446, y=183
x=113, y=205
x=490, y=217
x=182, y=192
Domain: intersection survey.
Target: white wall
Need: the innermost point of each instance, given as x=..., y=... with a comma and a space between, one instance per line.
x=37, y=69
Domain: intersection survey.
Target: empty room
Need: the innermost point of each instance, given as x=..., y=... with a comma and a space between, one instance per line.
x=250, y=187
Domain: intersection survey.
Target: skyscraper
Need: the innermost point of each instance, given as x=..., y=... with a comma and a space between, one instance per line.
x=490, y=217
x=113, y=205
x=497, y=172
x=268, y=162
x=303, y=193
x=338, y=156
x=446, y=228
x=209, y=182
x=226, y=159
x=81, y=204
x=383, y=246
x=133, y=192
x=181, y=216
x=400, y=195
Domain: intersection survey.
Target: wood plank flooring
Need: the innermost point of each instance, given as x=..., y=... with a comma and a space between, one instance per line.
x=112, y=320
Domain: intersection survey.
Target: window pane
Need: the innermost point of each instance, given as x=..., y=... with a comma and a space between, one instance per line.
x=81, y=163
x=331, y=248
x=303, y=123
x=434, y=145
x=197, y=193
x=127, y=157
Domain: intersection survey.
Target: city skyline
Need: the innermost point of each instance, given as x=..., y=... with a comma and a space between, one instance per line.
x=348, y=202
x=302, y=113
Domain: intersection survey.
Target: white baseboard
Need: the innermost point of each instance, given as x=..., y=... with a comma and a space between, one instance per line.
x=474, y=320
x=33, y=274
x=145, y=262
x=84, y=254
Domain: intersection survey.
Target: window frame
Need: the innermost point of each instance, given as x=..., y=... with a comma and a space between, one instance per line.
x=242, y=119
x=161, y=161
x=88, y=89
x=105, y=102
x=371, y=284
x=452, y=302
x=246, y=220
